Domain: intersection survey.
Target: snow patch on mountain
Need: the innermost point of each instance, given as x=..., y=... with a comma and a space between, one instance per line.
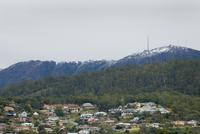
x=155, y=51
x=40, y=69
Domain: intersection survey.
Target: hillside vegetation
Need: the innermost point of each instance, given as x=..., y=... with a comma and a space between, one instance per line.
x=182, y=76
x=174, y=84
x=35, y=70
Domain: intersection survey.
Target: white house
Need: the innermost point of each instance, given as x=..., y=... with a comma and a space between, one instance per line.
x=192, y=123
x=135, y=119
x=122, y=126
x=100, y=114
x=86, y=116
x=163, y=110
x=84, y=132
x=53, y=118
x=154, y=125
x=36, y=114
x=28, y=124
x=88, y=106
x=23, y=114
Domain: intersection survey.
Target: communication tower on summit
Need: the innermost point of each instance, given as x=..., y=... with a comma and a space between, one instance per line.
x=148, y=44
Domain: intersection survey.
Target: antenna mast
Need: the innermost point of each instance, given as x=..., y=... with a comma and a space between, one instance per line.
x=148, y=51
x=148, y=44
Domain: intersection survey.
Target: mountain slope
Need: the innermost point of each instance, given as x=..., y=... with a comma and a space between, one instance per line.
x=33, y=70
x=174, y=84
x=181, y=76
x=160, y=55
x=25, y=70
x=40, y=69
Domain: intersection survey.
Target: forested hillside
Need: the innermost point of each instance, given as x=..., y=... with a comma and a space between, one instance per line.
x=183, y=76
x=34, y=70
x=174, y=84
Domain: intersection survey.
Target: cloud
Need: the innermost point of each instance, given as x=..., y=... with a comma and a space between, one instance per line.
x=93, y=29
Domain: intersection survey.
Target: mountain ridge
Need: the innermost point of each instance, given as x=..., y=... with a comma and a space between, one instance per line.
x=160, y=54
x=182, y=76
x=36, y=69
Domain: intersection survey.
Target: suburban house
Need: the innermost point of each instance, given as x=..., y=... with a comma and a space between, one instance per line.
x=52, y=107
x=52, y=120
x=88, y=106
x=71, y=108
x=164, y=110
x=179, y=123
x=100, y=114
x=22, y=128
x=109, y=122
x=86, y=116
x=122, y=127
x=35, y=114
x=3, y=127
x=23, y=115
x=9, y=111
x=135, y=120
x=192, y=123
x=84, y=132
x=92, y=120
x=46, y=112
x=153, y=125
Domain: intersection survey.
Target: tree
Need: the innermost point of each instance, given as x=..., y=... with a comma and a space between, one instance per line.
x=59, y=111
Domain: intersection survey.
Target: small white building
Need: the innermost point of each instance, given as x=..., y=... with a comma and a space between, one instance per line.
x=28, y=124
x=126, y=114
x=48, y=130
x=36, y=114
x=100, y=114
x=84, y=132
x=88, y=106
x=109, y=121
x=192, y=123
x=53, y=118
x=135, y=120
x=164, y=111
x=147, y=108
x=153, y=125
x=122, y=126
x=86, y=116
x=23, y=114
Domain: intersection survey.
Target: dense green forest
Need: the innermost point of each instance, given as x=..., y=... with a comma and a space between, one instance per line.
x=174, y=84
x=182, y=76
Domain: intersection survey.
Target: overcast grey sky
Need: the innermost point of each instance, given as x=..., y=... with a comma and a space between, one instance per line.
x=72, y=30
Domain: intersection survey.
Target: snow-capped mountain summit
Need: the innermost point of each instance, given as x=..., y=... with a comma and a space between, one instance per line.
x=155, y=51
x=160, y=54
x=39, y=69
x=170, y=48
